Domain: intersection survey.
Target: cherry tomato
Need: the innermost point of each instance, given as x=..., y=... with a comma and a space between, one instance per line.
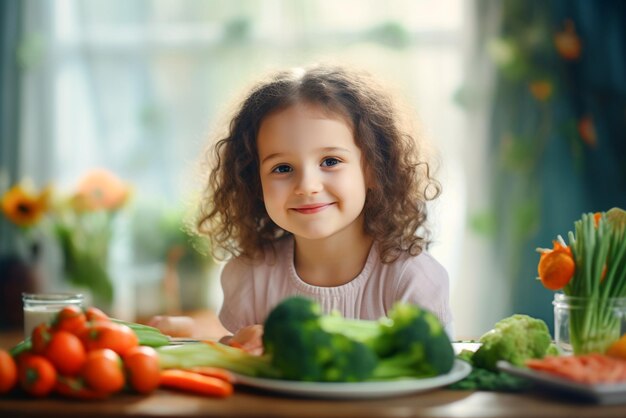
x=40, y=337
x=66, y=352
x=8, y=372
x=119, y=338
x=94, y=314
x=37, y=375
x=142, y=368
x=72, y=319
x=103, y=372
x=75, y=388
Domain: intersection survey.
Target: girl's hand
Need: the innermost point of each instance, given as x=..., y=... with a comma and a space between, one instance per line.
x=248, y=339
x=174, y=326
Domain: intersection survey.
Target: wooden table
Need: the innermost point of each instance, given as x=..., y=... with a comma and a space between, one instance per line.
x=247, y=402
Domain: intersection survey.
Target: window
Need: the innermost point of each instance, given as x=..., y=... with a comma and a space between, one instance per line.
x=137, y=86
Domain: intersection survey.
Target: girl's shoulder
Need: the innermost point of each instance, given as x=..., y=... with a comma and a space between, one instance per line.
x=422, y=265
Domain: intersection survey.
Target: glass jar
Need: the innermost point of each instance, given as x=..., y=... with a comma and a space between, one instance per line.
x=586, y=325
x=41, y=307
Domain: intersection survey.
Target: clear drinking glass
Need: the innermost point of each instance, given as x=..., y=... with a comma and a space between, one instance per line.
x=586, y=325
x=41, y=307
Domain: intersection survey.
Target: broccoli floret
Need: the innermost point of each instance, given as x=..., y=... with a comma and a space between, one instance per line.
x=514, y=339
x=302, y=350
x=412, y=343
x=306, y=345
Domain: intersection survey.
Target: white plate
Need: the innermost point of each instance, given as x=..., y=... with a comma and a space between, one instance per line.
x=461, y=345
x=366, y=390
x=606, y=393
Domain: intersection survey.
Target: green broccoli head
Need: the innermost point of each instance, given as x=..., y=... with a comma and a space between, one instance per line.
x=351, y=361
x=514, y=339
x=301, y=350
x=412, y=342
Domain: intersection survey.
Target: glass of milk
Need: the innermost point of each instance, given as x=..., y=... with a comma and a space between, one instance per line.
x=41, y=307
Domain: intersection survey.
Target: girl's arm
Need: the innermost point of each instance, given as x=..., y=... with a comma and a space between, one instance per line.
x=248, y=338
x=202, y=325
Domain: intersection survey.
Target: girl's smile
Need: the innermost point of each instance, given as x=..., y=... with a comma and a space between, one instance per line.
x=311, y=173
x=314, y=208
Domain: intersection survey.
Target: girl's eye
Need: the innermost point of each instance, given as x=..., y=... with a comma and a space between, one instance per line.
x=329, y=162
x=282, y=169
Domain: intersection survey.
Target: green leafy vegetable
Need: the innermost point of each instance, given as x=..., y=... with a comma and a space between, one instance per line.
x=304, y=344
x=514, y=339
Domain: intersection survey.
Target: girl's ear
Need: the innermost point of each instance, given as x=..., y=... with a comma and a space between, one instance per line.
x=370, y=178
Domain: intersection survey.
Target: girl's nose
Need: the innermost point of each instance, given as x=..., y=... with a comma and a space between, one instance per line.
x=308, y=183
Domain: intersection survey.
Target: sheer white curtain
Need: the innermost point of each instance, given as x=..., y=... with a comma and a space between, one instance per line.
x=136, y=86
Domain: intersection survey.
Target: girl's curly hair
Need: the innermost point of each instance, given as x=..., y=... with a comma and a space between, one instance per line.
x=233, y=213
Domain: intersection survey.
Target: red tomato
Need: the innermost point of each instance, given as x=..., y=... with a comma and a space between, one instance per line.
x=8, y=372
x=94, y=314
x=71, y=318
x=103, y=372
x=39, y=338
x=117, y=337
x=75, y=388
x=66, y=352
x=142, y=368
x=37, y=375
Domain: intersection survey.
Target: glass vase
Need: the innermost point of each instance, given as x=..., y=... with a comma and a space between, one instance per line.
x=587, y=325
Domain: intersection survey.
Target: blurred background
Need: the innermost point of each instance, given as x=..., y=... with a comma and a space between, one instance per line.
x=108, y=105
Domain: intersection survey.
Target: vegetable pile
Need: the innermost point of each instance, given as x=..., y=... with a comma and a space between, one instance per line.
x=89, y=356
x=303, y=344
x=410, y=342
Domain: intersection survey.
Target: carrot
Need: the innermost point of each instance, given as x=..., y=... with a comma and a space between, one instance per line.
x=618, y=348
x=556, y=266
x=196, y=383
x=216, y=372
x=590, y=368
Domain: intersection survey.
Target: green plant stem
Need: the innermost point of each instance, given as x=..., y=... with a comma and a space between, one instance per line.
x=599, y=281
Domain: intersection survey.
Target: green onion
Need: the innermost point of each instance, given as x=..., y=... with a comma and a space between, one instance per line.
x=599, y=280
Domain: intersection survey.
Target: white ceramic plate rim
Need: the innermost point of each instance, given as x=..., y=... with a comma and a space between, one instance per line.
x=368, y=390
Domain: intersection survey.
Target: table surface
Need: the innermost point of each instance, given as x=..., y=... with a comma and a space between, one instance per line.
x=247, y=402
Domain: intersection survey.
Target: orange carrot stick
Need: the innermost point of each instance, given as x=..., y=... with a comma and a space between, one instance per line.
x=216, y=372
x=196, y=383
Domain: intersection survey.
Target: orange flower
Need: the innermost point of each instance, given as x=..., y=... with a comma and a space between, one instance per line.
x=567, y=42
x=23, y=207
x=587, y=131
x=556, y=267
x=100, y=189
x=541, y=90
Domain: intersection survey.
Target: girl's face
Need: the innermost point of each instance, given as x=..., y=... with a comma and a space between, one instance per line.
x=311, y=173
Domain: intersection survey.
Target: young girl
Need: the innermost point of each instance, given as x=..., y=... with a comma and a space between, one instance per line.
x=317, y=190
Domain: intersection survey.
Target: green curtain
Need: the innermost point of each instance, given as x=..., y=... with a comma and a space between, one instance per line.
x=558, y=129
x=10, y=32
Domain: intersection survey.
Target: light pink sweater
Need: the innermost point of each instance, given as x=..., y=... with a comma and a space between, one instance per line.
x=252, y=289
